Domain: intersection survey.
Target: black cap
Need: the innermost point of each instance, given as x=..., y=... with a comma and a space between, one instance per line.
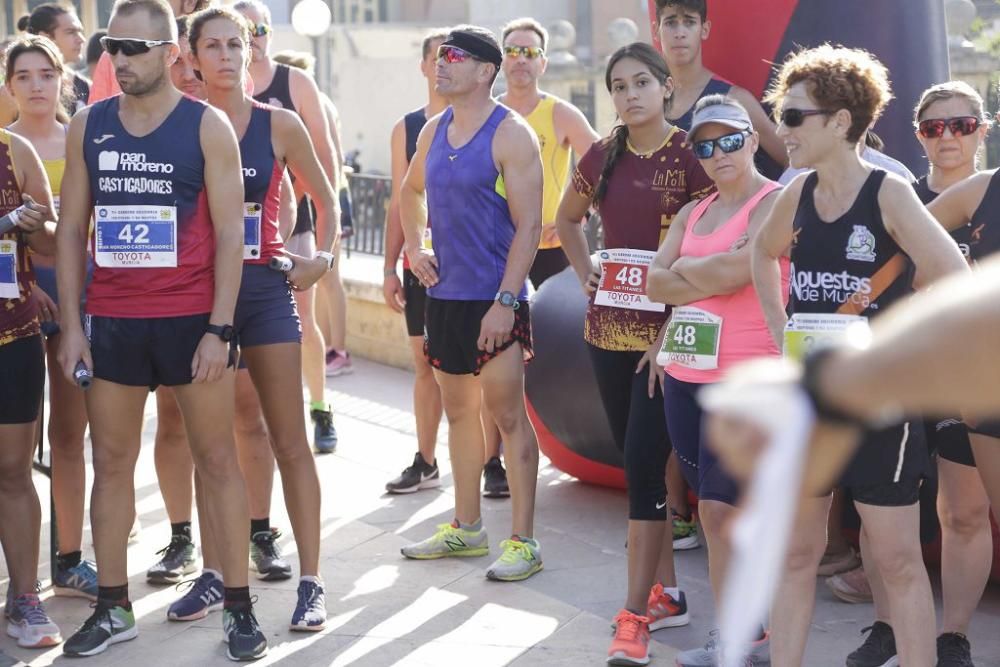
x=476, y=45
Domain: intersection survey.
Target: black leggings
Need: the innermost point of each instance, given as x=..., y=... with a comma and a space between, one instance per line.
x=639, y=428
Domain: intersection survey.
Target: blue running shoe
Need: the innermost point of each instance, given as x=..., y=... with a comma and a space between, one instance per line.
x=204, y=594
x=310, y=610
x=324, y=432
x=79, y=581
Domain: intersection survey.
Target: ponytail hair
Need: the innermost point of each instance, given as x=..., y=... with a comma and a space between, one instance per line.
x=617, y=142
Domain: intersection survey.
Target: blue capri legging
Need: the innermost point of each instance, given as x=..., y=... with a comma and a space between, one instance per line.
x=702, y=471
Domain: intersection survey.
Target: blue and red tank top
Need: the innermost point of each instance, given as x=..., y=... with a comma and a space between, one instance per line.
x=18, y=314
x=262, y=188
x=467, y=200
x=153, y=240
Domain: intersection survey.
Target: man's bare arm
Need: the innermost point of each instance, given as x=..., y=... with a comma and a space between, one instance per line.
x=515, y=149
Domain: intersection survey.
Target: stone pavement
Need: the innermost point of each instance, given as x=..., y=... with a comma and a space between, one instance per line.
x=385, y=610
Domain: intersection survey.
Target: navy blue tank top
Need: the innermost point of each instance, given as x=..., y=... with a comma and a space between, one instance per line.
x=467, y=200
x=851, y=266
x=262, y=188
x=150, y=209
x=713, y=87
x=413, y=122
x=278, y=93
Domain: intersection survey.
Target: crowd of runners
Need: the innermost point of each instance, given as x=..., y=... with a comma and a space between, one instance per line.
x=172, y=223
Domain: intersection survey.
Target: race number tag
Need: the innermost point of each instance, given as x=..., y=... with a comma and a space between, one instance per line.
x=806, y=332
x=8, y=270
x=623, y=280
x=135, y=237
x=692, y=339
x=251, y=230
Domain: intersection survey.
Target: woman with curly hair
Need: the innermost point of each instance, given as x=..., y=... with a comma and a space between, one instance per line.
x=853, y=233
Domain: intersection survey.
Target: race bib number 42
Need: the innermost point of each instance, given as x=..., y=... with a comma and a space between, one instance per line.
x=8, y=270
x=692, y=339
x=135, y=236
x=806, y=332
x=623, y=280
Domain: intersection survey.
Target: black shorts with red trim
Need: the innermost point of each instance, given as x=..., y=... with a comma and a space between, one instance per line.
x=452, y=333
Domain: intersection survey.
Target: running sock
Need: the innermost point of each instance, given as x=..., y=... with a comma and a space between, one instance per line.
x=527, y=540
x=321, y=406
x=70, y=559
x=117, y=595
x=312, y=579
x=237, y=598
x=260, y=526
x=674, y=592
x=474, y=527
x=181, y=529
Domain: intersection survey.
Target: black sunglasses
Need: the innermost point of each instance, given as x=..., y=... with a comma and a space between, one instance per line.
x=130, y=46
x=795, y=117
x=960, y=126
x=729, y=143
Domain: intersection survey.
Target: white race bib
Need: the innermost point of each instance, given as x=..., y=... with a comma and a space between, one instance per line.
x=135, y=237
x=8, y=270
x=251, y=230
x=692, y=339
x=805, y=332
x=623, y=280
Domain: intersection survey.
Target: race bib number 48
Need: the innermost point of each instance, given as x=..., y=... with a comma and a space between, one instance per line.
x=623, y=280
x=135, y=236
x=692, y=339
x=806, y=332
x=8, y=270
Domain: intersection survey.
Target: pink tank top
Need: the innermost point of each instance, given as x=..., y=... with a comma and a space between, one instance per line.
x=744, y=333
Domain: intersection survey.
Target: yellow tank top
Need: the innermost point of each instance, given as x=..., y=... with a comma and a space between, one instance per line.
x=54, y=169
x=555, y=167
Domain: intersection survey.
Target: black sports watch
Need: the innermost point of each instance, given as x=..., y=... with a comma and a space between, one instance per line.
x=223, y=331
x=507, y=300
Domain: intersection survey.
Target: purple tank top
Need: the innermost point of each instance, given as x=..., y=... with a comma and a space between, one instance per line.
x=467, y=201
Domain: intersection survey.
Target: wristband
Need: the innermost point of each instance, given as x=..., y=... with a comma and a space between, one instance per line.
x=386, y=273
x=328, y=257
x=811, y=367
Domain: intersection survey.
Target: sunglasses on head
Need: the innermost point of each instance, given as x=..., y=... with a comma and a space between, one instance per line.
x=529, y=52
x=453, y=54
x=729, y=143
x=260, y=30
x=960, y=126
x=795, y=117
x=130, y=46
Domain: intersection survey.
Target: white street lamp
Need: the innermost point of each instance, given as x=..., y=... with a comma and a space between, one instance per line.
x=311, y=18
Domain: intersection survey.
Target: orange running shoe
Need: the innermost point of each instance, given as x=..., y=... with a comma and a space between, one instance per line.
x=631, y=643
x=664, y=611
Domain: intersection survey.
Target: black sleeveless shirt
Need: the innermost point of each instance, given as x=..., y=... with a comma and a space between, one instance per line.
x=962, y=235
x=278, y=93
x=984, y=233
x=850, y=266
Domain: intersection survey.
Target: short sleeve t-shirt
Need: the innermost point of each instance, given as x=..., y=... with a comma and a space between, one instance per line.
x=644, y=194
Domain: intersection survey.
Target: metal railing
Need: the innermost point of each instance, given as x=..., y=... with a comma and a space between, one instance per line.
x=369, y=203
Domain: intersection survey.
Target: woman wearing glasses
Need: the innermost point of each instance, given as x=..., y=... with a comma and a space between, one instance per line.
x=266, y=322
x=952, y=126
x=638, y=178
x=36, y=80
x=703, y=271
x=852, y=233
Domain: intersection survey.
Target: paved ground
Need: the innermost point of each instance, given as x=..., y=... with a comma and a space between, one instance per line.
x=389, y=611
